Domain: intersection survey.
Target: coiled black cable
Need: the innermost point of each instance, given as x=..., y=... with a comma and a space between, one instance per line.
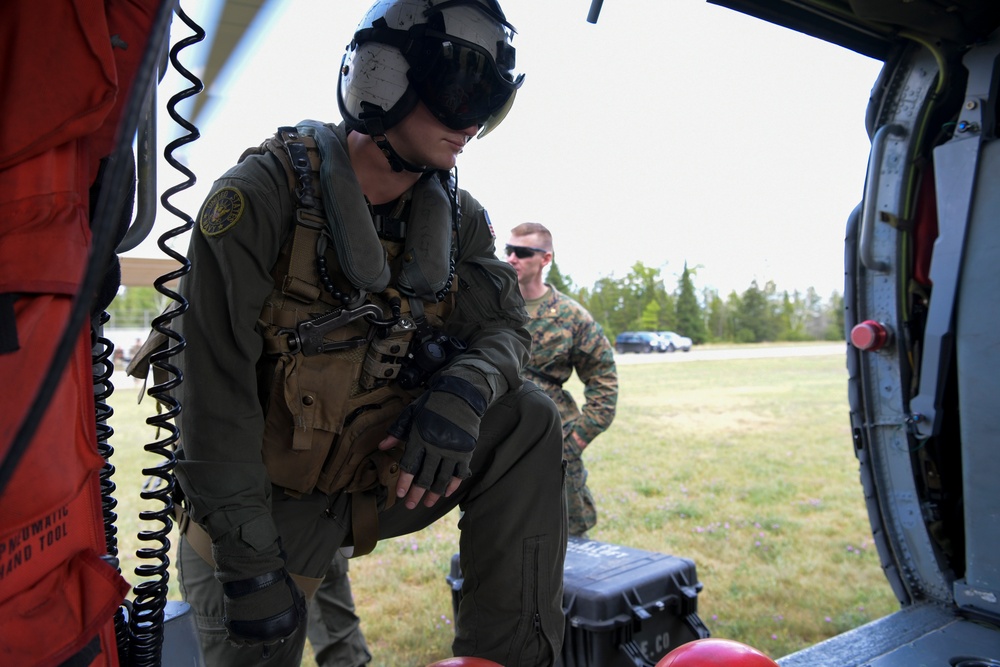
x=103, y=364
x=146, y=620
x=103, y=348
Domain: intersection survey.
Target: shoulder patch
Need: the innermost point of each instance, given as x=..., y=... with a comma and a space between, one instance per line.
x=222, y=210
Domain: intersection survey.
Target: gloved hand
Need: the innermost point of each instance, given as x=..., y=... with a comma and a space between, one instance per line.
x=440, y=429
x=262, y=603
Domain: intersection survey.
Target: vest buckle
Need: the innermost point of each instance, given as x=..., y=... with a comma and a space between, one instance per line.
x=308, y=337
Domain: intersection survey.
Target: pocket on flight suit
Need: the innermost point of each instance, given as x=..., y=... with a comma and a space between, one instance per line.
x=357, y=464
x=304, y=413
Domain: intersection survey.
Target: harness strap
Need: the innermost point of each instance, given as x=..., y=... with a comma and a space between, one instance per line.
x=301, y=282
x=300, y=156
x=382, y=470
x=279, y=317
x=364, y=521
x=274, y=319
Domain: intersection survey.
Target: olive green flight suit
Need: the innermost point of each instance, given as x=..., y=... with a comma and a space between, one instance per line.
x=513, y=523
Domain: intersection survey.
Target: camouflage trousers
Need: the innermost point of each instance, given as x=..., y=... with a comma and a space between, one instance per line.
x=581, y=511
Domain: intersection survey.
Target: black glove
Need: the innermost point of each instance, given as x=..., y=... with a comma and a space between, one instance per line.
x=440, y=428
x=264, y=609
x=260, y=608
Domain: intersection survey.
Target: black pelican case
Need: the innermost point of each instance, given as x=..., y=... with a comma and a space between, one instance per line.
x=624, y=607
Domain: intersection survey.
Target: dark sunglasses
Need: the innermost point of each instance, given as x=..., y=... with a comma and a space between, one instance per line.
x=522, y=251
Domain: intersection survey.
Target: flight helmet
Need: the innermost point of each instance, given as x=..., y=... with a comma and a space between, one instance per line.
x=455, y=56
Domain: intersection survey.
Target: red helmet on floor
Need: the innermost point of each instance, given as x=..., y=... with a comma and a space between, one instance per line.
x=465, y=661
x=711, y=652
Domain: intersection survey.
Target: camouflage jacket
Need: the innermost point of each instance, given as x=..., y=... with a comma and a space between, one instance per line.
x=564, y=338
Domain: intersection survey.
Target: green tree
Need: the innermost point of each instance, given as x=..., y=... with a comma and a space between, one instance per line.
x=835, y=315
x=756, y=320
x=717, y=317
x=135, y=307
x=667, y=318
x=792, y=318
x=690, y=320
x=650, y=318
x=561, y=282
x=639, y=301
x=643, y=285
x=630, y=295
x=734, y=304
x=607, y=302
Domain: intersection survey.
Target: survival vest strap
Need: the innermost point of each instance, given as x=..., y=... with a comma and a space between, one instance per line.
x=298, y=280
x=300, y=157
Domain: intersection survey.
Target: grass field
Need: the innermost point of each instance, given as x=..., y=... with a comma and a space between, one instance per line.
x=744, y=466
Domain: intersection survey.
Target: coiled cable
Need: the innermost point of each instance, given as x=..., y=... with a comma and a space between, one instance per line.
x=103, y=364
x=146, y=619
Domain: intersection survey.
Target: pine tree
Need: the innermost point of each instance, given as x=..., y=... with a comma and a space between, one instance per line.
x=715, y=315
x=561, y=282
x=757, y=319
x=690, y=319
x=650, y=318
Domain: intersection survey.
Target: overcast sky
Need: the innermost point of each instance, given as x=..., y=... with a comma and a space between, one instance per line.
x=670, y=131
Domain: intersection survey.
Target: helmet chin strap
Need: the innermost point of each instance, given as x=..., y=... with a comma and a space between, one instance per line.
x=371, y=117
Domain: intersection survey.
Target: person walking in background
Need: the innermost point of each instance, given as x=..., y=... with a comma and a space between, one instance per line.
x=565, y=337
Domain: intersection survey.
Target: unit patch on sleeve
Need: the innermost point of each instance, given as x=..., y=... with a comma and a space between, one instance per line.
x=222, y=210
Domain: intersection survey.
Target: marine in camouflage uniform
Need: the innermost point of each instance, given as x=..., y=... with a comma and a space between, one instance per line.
x=565, y=337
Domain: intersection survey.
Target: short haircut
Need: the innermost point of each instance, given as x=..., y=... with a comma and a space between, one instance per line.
x=527, y=228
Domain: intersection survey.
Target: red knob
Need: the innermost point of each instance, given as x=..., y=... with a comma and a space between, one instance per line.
x=869, y=336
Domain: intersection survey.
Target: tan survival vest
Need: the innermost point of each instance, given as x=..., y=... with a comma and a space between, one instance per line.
x=334, y=370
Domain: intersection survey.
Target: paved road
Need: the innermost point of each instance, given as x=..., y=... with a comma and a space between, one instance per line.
x=737, y=352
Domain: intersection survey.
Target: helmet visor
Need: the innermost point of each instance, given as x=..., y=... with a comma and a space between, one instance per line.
x=461, y=84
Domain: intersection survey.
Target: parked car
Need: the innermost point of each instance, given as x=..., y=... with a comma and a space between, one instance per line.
x=674, y=341
x=638, y=341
